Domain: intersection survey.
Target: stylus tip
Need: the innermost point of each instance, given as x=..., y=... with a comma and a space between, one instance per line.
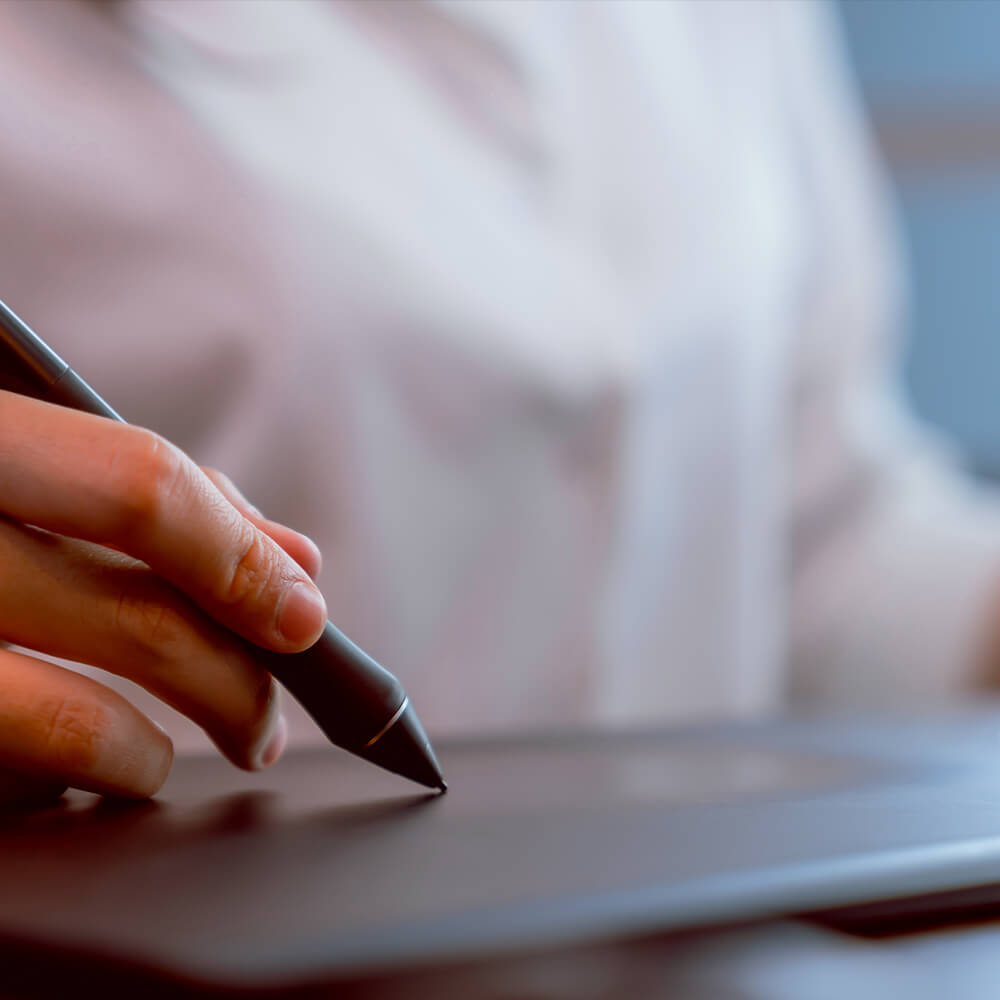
x=405, y=749
x=443, y=786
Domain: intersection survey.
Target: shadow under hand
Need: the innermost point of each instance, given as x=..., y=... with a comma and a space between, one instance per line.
x=21, y=794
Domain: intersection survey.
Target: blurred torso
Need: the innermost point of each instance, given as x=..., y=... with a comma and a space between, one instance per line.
x=492, y=300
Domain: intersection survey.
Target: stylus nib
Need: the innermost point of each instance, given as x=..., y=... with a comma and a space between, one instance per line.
x=404, y=749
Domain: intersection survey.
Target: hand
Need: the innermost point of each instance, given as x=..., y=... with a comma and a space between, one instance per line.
x=118, y=551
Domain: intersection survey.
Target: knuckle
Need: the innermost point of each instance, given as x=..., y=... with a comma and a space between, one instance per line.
x=147, y=616
x=148, y=473
x=254, y=574
x=76, y=733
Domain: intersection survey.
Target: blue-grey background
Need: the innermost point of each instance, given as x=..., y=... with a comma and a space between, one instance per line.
x=930, y=73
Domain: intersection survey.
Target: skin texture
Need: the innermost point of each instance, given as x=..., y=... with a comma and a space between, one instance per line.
x=118, y=551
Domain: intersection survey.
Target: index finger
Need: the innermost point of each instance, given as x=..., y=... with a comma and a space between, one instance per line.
x=123, y=486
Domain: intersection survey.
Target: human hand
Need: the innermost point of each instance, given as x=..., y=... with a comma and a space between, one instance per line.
x=118, y=551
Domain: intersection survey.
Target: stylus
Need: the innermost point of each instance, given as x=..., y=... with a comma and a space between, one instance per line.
x=358, y=704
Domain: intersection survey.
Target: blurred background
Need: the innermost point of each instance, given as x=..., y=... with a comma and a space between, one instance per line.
x=931, y=77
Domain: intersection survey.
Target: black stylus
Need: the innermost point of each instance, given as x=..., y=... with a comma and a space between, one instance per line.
x=358, y=704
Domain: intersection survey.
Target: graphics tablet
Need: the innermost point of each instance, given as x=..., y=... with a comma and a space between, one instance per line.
x=325, y=868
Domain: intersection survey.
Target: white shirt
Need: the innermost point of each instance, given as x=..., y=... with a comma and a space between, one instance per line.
x=564, y=329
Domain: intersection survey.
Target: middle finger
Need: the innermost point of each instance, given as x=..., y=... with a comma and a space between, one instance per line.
x=82, y=602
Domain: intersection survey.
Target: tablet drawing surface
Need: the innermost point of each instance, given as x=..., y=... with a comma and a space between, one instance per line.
x=324, y=865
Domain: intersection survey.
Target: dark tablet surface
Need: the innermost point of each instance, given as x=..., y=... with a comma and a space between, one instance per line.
x=325, y=867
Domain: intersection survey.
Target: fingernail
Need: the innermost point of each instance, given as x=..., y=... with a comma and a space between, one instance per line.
x=276, y=745
x=302, y=613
